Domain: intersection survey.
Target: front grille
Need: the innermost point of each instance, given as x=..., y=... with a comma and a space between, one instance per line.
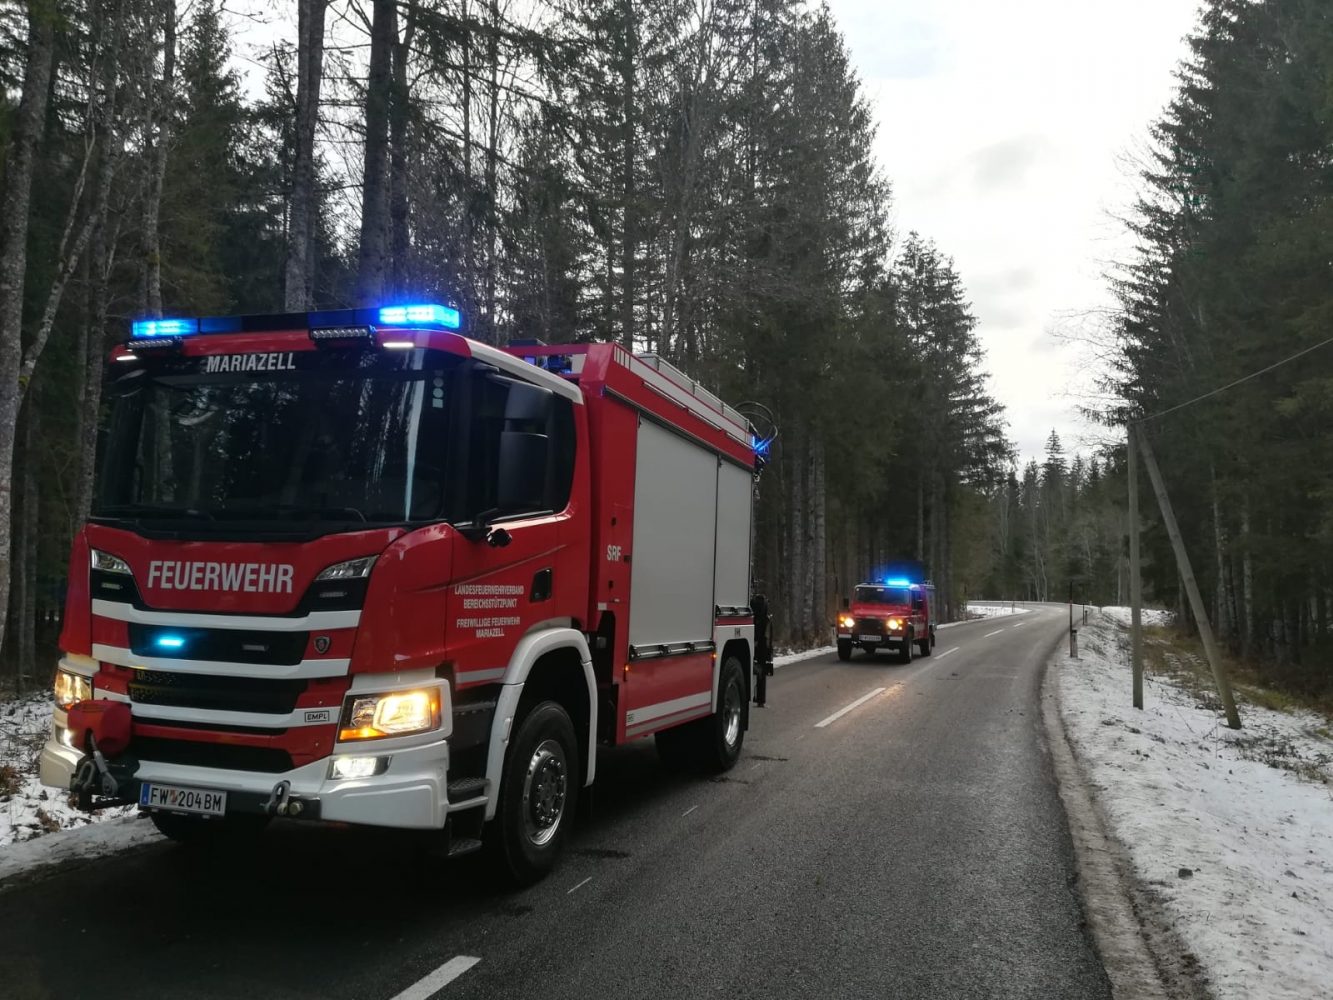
x=869, y=626
x=225, y=645
x=223, y=694
x=222, y=755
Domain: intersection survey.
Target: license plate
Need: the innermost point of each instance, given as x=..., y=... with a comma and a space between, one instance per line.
x=870, y=638
x=202, y=801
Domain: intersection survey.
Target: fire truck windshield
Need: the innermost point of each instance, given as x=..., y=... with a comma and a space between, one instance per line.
x=883, y=595
x=306, y=439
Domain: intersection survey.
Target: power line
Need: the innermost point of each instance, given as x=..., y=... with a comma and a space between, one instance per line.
x=1232, y=385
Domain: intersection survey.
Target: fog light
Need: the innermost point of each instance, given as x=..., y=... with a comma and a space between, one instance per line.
x=358, y=767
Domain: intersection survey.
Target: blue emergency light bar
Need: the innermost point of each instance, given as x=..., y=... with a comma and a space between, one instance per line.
x=428, y=314
x=163, y=327
x=898, y=582
x=423, y=315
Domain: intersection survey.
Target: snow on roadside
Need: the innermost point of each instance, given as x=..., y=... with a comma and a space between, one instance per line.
x=28, y=809
x=788, y=658
x=1231, y=829
x=980, y=610
x=76, y=845
x=1149, y=616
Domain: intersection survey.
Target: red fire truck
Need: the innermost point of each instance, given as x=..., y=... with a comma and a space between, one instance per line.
x=355, y=567
x=893, y=612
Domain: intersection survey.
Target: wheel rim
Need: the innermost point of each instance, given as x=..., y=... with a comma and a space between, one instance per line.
x=731, y=714
x=544, y=792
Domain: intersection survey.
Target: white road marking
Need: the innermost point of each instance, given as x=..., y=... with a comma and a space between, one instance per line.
x=1019, y=625
x=439, y=979
x=688, y=811
x=940, y=656
x=989, y=634
x=843, y=711
x=580, y=885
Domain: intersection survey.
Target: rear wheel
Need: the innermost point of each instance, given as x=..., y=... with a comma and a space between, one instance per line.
x=713, y=743
x=538, y=794
x=844, y=649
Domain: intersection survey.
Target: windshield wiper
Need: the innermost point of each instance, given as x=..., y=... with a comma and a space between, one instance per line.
x=296, y=510
x=151, y=510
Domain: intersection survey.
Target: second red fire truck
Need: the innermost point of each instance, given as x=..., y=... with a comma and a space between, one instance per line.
x=355, y=567
x=895, y=612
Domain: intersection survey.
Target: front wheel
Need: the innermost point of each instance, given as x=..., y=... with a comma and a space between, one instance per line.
x=905, y=650
x=538, y=793
x=844, y=649
x=924, y=646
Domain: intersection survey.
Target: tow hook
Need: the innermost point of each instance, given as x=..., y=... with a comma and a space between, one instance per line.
x=278, y=799
x=281, y=802
x=92, y=776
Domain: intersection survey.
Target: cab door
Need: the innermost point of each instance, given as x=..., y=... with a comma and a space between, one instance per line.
x=515, y=569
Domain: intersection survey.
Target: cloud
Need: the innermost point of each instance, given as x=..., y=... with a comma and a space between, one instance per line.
x=888, y=47
x=1007, y=163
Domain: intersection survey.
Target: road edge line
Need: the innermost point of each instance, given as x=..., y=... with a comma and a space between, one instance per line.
x=1142, y=957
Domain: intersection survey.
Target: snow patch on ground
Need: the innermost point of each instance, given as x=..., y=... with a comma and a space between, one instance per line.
x=1149, y=616
x=28, y=809
x=976, y=609
x=77, y=845
x=790, y=657
x=1231, y=829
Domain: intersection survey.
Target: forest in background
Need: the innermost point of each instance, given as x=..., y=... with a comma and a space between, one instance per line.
x=694, y=178
x=1232, y=277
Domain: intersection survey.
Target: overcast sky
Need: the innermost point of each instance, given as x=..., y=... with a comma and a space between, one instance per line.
x=1003, y=127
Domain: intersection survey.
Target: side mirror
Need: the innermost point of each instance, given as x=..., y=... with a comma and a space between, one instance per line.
x=846, y=604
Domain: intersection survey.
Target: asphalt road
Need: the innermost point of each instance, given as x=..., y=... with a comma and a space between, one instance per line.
x=912, y=847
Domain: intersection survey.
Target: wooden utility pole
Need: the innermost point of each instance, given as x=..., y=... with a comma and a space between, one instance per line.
x=1135, y=580
x=1191, y=587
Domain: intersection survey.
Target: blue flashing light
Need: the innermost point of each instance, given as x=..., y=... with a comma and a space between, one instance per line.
x=163, y=327
x=760, y=446
x=426, y=314
x=170, y=641
x=897, y=582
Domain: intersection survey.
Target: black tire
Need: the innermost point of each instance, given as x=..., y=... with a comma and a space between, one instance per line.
x=923, y=647
x=539, y=789
x=844, y=649
x=905, y=650
x=711, y=744
x=234, y=829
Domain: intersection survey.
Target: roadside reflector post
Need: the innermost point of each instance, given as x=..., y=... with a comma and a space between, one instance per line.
x=1191, y=586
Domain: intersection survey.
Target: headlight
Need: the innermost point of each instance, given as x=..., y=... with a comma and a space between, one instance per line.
x=353, y=569
x=846, y=621
x=108, y=563
x=400, y=713
x=895, y=624
x=71, y=688
x=358, y=767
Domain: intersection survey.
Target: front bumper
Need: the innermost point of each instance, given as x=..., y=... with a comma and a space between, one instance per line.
x=411, y=794
x=856, y=639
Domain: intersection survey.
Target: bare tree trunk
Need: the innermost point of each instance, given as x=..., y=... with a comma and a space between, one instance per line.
x=492, y=169
x=300, y=274
x=372, y=256
x=819, y=525
x=1246, y=581
x=161, y=113
x=629, y=126
x=1222, y=608
x=469, y=285
x=399, y=234
x=25, y=606
x=29, y=121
